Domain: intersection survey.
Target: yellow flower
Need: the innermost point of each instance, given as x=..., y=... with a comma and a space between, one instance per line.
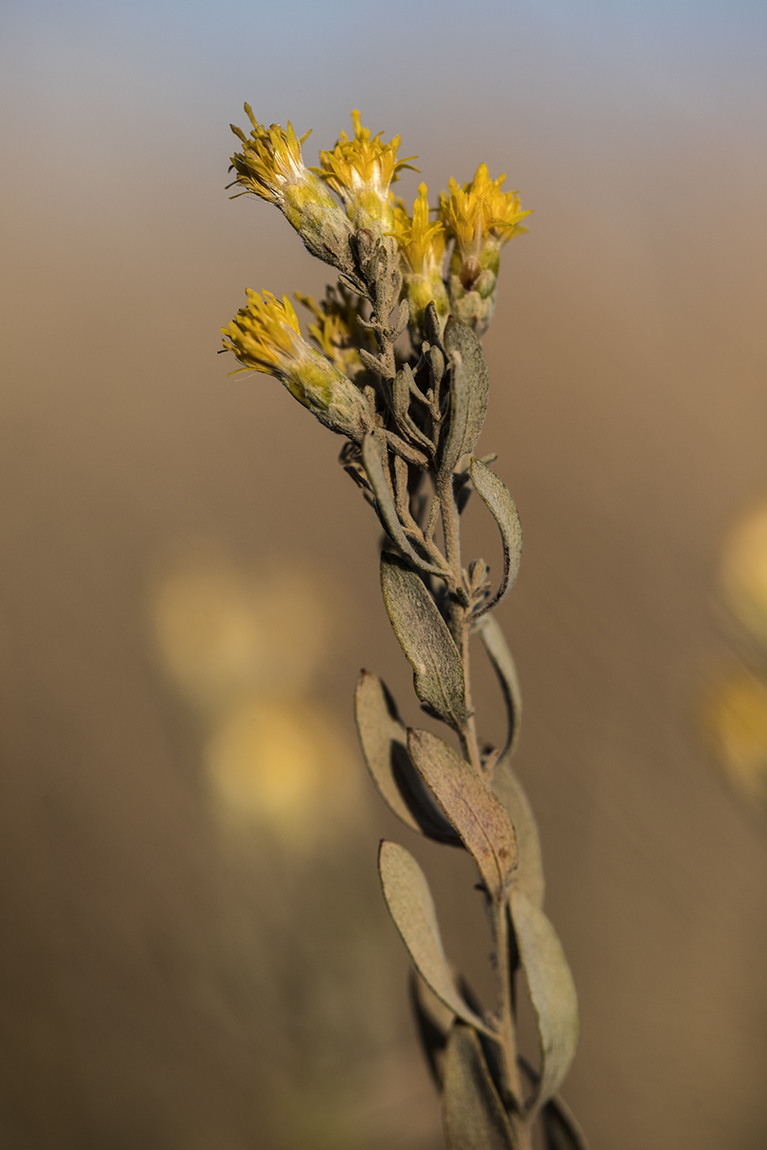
x=271, y=166
x=360, y=171
x=337, y=330
x=265, y=336
x=422, y=247
x=480, y=214
x=480, y=218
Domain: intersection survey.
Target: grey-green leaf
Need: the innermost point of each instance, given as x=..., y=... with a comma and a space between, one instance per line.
x=496, y=497
x=561, y=1130
x=529, y=876
x=374, y=457
x=470, y=805
x=383, y=738
x=469, y=387
x=503, y=664
x=411, y=906
x=552, y=993
x=428, y=645
x=472, y=1112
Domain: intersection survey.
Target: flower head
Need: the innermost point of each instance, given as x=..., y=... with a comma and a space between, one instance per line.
x=360, y=171
x=422, y=248
x=265, y=336
x=480, y=217
x=337, y=331
x=270, y=165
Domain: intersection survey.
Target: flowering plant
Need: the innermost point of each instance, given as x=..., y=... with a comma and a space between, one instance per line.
x=411, y=419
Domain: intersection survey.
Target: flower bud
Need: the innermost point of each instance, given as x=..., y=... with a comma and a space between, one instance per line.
x=265, y=336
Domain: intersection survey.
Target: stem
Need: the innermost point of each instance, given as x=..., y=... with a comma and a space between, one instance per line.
x=458, y=612
x=506, y=1033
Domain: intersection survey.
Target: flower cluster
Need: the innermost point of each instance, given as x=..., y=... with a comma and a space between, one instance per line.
x=360, y=171
x=382, y=254
x=265, y=336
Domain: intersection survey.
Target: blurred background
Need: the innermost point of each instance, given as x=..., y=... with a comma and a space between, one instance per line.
x=194, y=952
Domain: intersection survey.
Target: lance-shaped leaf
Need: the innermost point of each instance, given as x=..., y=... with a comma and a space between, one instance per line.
x=472, y=1112
x=502, y=507
x=552, y=994
x=383, y=738
x=469, y=387
x=500, y=656
x=561, y=1130
x=471, y=807
x=529, y=875
x=428, y=645
x=374, y=458
x=411, y=906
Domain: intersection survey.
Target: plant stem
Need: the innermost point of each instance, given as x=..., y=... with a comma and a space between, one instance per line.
x=506, y=1033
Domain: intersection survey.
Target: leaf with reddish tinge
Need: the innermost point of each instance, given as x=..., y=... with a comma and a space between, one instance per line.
x=471, y=807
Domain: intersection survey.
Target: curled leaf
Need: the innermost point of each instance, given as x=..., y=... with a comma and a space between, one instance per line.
x=503, y=664
x=552, y=993
x=411, y=906
x=383, y=738
x=428, y=645
x=472, y=1112
x=497, y=498
x=471, y=807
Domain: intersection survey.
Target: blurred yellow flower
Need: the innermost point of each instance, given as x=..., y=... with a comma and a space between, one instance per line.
x=360, y=172
x=281, y=761
x=736, y=718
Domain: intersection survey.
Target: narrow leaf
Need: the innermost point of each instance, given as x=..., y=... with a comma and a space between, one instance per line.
x=411, y=906
x=561, y=1130
x=428, y=645
x=471, y=807
x=529, y=875
x=472, y=1112
x=503, y=664
x=502, y=507
x=552, y=994
x=374, y=455
x=383, y=738
x=469, y=387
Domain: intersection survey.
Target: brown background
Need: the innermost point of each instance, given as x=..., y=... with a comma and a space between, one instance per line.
x=163, y=985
